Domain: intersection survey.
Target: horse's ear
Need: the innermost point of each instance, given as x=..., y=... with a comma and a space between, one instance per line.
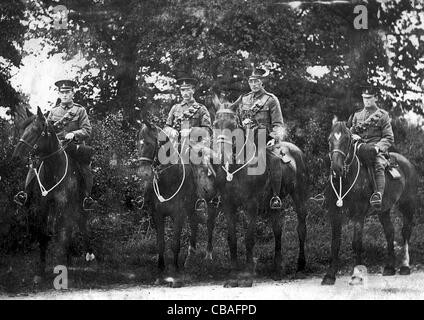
x=46, y=115
x=216, y=102
x=40, y=114
x=335, y=119
x=28, y=113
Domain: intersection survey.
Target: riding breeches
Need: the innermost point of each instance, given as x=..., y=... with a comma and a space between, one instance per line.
x=380, y=164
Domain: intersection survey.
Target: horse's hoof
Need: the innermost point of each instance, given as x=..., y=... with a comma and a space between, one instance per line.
x=37, y=280
x=299, y=275
x=328, y=280
x=389, y=271
x=355, y=281
x=405, y=271
x=245, y=283
x=176, y=283
x=231, y=284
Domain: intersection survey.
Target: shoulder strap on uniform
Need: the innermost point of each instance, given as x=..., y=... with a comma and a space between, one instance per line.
x=371, y=120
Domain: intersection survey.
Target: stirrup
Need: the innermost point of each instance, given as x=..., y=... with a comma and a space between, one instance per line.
x=201, y=205
x=319, y=198
x=87, y=203
x=139, y=202
x=275, y=203
x=20, y=198
x=376, y=200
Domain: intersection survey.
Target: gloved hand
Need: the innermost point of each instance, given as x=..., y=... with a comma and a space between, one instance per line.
x=69, y=136
x=367, y=152
x=355, y=137
x=185, y=132
x=171, y=132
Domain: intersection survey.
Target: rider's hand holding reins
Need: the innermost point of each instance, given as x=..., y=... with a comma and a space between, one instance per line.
x=70, y=136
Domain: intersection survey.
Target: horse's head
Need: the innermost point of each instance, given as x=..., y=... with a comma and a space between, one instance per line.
x=226, y=121
x=340, y=143
x=147, y=147
x=35, y=137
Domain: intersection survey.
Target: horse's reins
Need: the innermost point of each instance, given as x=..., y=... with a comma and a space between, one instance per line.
x=44, y=191
x=221, y=139
x=346, y=168
x=155, y=175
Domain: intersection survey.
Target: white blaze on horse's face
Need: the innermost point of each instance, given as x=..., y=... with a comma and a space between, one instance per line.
x=337, y=135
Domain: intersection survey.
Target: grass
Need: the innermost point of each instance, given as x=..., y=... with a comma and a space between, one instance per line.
x=125, y=248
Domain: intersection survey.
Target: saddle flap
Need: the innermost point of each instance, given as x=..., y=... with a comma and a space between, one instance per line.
x=282, y=151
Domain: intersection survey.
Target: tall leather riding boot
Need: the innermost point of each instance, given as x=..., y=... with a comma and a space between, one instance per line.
x=276, y=176
x=88, y=185
x=376, y=199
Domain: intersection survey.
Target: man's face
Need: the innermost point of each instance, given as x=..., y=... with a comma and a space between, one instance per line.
x=66, y=96
x=187, y=93
x=369, y=101
x=255, y=84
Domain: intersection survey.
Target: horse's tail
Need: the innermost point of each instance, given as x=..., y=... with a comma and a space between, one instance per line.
x=411, y=177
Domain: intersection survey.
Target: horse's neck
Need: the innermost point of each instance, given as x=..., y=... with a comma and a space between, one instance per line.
x=57, y=162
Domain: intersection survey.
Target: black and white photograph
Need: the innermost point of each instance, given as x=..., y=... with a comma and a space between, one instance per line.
x=223, y=152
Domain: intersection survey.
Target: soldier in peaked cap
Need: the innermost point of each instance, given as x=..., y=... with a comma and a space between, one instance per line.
x=262, y=109
x=186, y=115
x=72, y=124
x=373, y=126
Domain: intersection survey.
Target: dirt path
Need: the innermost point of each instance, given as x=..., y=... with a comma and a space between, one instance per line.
x=378, y=287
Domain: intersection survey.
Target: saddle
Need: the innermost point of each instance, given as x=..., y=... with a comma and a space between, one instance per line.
x=391, y=167
x=81, y=153
x=282, y=151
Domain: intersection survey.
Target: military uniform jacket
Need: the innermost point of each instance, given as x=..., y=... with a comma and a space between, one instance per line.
x=373, y=127
x=188, y=115
x=71, y=119
x=263, y=107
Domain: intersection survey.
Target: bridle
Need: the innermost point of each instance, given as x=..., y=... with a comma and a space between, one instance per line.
x=346, y=169
x=34, y=149
x=222, y=139
x=152, y=162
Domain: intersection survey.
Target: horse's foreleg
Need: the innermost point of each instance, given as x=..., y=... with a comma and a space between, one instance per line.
x=252, y=213
x=277, y=230
x=231, y=217
x=301, y=233
x=384, y=217
x=408, y=210
x=176, y=241
x=336, y=230
x=160, y=240
x=193, y=236
x=212, y=213
x=357, y=238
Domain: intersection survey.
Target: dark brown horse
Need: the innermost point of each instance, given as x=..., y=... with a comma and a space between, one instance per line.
x=171, y=190
x=58, y=207
x=352, y=190
x=241, y=189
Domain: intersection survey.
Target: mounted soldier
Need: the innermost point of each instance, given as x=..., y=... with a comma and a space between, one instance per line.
x=372, y=126
x=185, y=116
x=73, y=127
x=261, y=109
